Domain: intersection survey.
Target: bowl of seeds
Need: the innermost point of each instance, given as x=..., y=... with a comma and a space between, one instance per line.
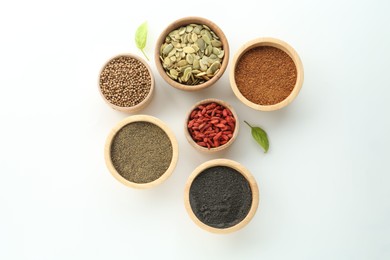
x=221, y=196
x=266, y=74
x=211, y=125
x=141, y=151
x=192, y=53
x=126, y=83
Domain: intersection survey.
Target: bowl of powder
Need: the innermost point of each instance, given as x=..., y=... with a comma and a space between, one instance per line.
x=141, y=151
x=221, y=196
x=192, y=53
x=211, y=125
x=126, y=83
x=267, y=74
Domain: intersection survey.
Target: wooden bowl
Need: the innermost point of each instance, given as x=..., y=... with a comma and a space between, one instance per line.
x=219, y=148
x=140, y=105
x=273, y=43
x=252, y=184
x=141, y=118
x=185, y=21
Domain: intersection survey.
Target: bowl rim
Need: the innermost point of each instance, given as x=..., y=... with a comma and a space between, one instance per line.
x=148, y=97
x=185, y=21
x=215, y=149
x=133, y=119
x=273, y=42
x=247, y=175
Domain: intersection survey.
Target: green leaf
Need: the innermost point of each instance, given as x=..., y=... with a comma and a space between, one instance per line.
x=260, y=136
x=141, y=35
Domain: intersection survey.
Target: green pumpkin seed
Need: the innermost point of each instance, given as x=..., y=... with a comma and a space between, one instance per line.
x=188, y=50
x=189, y=28
x=167, y=49
x=196, y=64
x=182, y=63
x=167, y=62
x=201, y=44
x=182, y=30
x=171, y=53
x=216, y=43
x=189, y=59
x=216, y=51
x=206, y=39
x=194, y=37
x=186, y=74
x=196, y=30
x=221, y=54
x=174, y=73
x=195, y=47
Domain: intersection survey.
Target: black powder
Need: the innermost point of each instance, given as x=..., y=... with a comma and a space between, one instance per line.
x=220, y=197
x=141, y=152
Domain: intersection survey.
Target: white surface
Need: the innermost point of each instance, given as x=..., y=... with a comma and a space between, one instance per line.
x=324, y=183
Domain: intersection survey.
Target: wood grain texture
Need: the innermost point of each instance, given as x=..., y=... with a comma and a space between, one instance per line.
x=273, y=43
x=141, y=118
x=248, y=176
x=147, y=99
x=185, y=21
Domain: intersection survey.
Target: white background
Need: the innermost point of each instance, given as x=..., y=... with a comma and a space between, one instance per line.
x=324, y=183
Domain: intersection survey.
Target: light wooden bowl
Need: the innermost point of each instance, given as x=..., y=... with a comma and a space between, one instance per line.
x=141, y=118
x=273, y=43
x=219, y=148
x=241, y=169
x=185, y=21
x=140, y=105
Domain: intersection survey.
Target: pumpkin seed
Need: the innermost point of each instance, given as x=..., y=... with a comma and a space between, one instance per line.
x=196, y=30
x=171, y=53
x=201, y=44
x=189, y=28
x=216, y=51
x=216, y=43
x=195, y=47
x=182, y=30
x=188, y=50
x=181, y=63
x=206, y=39
x=190, y=59
x=196, y=64
x=167, y=49
x=221, y=54
x=167, y=61
x=173, y=73
x=194, y=37
x=186, y=74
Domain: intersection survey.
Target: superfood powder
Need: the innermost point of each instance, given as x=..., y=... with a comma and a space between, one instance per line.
x=141, y=152
x=265, y=75
x=220, y=197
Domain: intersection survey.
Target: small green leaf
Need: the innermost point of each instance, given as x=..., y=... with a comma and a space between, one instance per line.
x=260, y=136
x=141, y=35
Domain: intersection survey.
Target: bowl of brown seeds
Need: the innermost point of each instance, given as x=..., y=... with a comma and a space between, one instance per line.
x=221, y=196
x=266, y=74
x=126, y=83
x=192, y=53
x=141, y=151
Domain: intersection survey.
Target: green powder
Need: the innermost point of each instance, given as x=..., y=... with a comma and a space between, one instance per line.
x=141, y=152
